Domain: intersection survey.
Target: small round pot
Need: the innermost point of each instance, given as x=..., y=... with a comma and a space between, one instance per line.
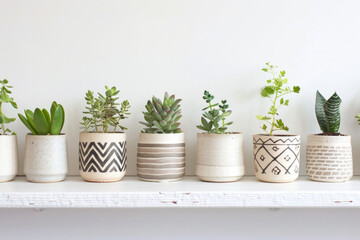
x=220, y=157
x=329, y=158
x=8, y=157
x=161, y=157
x=277, y=158
x=102, y=156
x=45, y=158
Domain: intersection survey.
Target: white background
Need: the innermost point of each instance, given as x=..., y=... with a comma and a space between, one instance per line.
x=57, y=50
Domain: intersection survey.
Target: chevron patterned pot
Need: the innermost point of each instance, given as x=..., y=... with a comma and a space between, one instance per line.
x=45, y=158
x=329, y=158
x=161, y=157
x=277, y=158
x=102, y=156
x=8, y=157
x=220, y=157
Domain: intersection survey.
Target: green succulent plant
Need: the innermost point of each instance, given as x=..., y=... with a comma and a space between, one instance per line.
x=358, y=118
x=214, y=120
x=5, y=98
x=103, y=111
x=41, y=122
x=328, y=112
x=275, y=91
x=162, y=116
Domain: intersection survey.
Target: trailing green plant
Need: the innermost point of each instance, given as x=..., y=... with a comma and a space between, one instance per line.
x=41, y=122
x=328, y=112
x=162, y=116
x=103, y=111
x=214, y=115
x=275, y=91
x=5, y=98
x=358, y=118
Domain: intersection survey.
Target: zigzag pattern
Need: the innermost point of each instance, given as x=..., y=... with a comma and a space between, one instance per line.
x=98, y=157
x=261, y=142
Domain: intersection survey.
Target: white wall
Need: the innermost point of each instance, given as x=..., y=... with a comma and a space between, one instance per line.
x=57, y=50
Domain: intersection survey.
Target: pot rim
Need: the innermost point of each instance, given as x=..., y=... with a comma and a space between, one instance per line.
x=86, y=132
x=1, y=135
x=220, y=134
x=162, y=133
x=316, y=135
x=278, y=135
x=45, y=136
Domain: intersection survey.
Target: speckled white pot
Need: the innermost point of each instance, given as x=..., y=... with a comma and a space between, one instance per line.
x=45, y=158
x=102, y=156
x=8, y=157
x=220, y=157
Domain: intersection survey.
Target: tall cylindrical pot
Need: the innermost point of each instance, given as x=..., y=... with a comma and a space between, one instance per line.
x=161, y=157
x=277, y=157
x=102, y=156
x=329, y=158
x=220, y=157
x=45, y=158
x=8, y=157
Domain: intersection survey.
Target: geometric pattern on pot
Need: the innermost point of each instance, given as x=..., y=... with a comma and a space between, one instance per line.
x=277, y=157
x=161, y=161
x=102, y=157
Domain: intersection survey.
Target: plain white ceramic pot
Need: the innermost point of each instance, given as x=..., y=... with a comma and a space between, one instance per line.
x=8, y=157
x=161, y=157
x=45, y=158
x=102, y=156
x=277, y=157
x=220, y=157
x=329, y=158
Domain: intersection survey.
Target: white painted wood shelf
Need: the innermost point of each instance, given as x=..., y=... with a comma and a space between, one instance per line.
x=190, y=192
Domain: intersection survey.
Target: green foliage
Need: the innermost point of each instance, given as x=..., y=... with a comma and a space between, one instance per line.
x=162, y=117
x=358, y=118
x=103, y=111
x=5, y=98
x=275, y=91
x=213, y=120
x=328, y=112
x=41, y=122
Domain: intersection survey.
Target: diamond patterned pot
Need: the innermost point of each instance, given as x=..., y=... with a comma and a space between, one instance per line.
x=277, y=158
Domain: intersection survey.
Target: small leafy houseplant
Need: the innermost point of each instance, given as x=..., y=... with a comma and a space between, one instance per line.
x=276, y=156
x=329, y=148
x=220, y=153
x=358, y=118
x=46, y=147
x=8, y=140
x=161, y=147
x=102, y=147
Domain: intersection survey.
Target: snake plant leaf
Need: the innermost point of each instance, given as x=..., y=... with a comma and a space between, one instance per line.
x=47, y=115
x=53, y=108
x=30, y=117
x=27, y=124
x=57, y=121
x=63, y=113
x=41, y=124
x=320, y=112
x=332, y=112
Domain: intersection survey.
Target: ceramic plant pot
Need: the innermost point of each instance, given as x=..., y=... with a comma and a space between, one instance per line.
x=45, y=158
x=102, y=156
x=220, y=157
x=277, y=158
x=161, y=157
x=329, y=158
x=8, y=157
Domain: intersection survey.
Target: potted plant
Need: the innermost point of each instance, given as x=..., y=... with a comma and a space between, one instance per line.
x=8, y=140
x=329, y=154
x=161, y=147
x=102, y=146
x=45, y=147
x=276, y=157
x=220, y=155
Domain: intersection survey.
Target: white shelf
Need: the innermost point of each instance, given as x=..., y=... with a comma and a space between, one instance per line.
x=190, y=192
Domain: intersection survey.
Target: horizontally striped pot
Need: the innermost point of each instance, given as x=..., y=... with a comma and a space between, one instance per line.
x=8, y=157
x=329, y=158
x=277, y=158
x=161, y=157
x=220, y=157
x=102, y=156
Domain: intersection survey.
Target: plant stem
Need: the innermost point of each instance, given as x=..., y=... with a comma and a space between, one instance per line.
x=2, y=124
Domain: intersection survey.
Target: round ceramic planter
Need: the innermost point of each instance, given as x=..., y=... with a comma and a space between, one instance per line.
x=8, y=157
x=161, y=157
x=102, y=156
x=277, y=158
x=220, y=157
x=45, y=158
x=329, y=158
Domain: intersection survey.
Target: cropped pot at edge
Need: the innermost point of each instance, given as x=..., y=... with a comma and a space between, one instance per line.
x=102, y=156
x=8, y=157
